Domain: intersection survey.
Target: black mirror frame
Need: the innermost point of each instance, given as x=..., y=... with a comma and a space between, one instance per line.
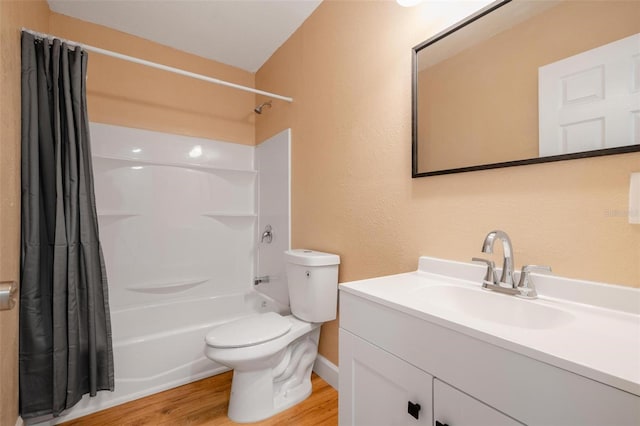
x=414, y=114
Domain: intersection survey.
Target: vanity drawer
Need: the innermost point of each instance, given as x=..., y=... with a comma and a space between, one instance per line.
x=454, y=408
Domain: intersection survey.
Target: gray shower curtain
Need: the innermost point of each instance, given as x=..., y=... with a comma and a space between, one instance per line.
x=65, y=331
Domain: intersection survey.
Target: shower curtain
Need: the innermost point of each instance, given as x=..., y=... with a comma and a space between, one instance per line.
x=65, y=331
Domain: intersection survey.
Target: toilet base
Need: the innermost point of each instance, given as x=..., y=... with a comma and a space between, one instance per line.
x=259, y=394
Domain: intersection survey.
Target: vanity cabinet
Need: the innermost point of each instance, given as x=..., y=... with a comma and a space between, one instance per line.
x=390, y=356
x=380, y=389
x=377, y=388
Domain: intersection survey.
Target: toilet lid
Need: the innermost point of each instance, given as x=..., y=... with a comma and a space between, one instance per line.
x=248, y=331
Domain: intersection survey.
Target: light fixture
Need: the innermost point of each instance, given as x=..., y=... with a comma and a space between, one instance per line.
x=136, y=150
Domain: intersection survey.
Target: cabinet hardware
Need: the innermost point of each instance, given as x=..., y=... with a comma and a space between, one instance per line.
x=413, y=409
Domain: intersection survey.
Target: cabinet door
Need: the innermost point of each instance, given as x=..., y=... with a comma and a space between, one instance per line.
x=454, y=408
x=377, y=388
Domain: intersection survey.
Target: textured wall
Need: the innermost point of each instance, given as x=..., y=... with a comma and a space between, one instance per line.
x=13, y=16
x=348, y=69
x=133, y=95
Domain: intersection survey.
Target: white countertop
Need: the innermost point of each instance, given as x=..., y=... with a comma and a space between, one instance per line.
x=598, y=342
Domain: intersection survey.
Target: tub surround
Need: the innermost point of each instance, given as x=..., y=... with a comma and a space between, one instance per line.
x=177, y=219
x=176, y=214
x=579, y=339
x=273, y=163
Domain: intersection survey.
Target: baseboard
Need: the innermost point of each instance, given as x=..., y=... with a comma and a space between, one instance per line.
x=327, y=370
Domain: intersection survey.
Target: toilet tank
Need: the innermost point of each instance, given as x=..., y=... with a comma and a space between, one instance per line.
x=312, y=278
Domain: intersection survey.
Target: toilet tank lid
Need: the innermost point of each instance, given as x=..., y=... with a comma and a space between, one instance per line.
x=311, y=257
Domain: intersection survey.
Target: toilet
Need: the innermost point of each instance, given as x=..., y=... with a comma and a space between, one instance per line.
x=272, y=355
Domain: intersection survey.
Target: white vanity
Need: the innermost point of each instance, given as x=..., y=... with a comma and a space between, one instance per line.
x=431, y=347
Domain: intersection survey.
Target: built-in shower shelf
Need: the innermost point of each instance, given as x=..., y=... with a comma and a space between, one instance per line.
x=137, y=162
x=223, y=214
x=117, y=213
x=167, y=286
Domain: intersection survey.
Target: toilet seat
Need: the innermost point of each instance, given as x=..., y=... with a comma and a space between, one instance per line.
x=249, y=331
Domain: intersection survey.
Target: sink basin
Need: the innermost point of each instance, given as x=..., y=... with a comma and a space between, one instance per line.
x=489, y=306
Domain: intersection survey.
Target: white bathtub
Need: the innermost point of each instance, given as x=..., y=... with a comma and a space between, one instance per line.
x=161, y=346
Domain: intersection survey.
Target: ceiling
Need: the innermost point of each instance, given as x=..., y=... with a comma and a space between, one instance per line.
x=242, y=33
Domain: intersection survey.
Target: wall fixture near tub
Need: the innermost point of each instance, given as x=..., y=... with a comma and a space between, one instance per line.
x=524, y=82
x=634, y=199
x=267, y=235
x=258, y=109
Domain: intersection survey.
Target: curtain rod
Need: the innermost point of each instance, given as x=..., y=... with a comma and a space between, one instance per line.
x=159, y=66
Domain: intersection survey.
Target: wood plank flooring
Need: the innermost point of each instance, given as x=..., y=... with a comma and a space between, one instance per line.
x=205, y=403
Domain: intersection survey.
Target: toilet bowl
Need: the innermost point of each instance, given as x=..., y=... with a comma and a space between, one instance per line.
x=272, y=355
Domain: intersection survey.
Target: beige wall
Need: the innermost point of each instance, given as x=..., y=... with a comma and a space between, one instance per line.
x=137, y=96
x=348, y=69
x=493, y=87
x=13, y=15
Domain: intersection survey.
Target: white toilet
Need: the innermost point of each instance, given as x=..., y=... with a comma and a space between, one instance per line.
x=272, y=355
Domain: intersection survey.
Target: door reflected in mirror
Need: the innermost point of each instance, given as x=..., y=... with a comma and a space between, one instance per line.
x=528, y=81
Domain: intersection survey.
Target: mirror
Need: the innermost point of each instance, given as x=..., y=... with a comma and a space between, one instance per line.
x=528, y=81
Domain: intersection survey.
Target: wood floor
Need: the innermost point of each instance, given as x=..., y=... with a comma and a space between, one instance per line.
x=205, y=403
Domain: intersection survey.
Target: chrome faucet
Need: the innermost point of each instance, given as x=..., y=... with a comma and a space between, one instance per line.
x=526, y=289
x=506, y=284
x=506, y=280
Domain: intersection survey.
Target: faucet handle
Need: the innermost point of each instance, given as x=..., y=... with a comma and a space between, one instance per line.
x=525, y=287
x=490, y=277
